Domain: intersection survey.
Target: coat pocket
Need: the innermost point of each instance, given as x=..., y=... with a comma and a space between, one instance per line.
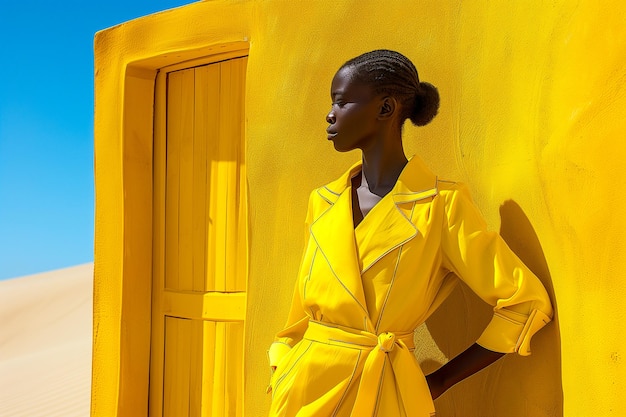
x=287, y=366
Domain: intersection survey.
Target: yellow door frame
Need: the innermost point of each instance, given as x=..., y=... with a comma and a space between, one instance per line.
x=124, y=261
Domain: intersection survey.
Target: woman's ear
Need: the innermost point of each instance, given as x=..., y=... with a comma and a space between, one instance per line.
x=388, y=107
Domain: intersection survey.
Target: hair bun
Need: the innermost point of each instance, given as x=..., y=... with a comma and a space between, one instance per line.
x=426, y=104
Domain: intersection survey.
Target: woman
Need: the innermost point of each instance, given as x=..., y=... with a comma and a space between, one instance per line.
x=386, y=243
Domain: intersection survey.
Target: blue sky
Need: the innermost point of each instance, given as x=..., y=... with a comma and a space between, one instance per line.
x=46, y=128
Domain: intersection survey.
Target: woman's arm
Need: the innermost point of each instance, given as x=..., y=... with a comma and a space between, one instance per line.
x=462, y=366
x=483, y=261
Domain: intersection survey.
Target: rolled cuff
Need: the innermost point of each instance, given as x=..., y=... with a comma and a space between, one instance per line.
x=277, y=352
x=508, y=332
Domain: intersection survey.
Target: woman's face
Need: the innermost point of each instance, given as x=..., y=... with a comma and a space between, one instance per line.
x=353, y=116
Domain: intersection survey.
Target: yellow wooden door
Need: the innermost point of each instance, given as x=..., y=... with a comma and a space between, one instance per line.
x=200, y=255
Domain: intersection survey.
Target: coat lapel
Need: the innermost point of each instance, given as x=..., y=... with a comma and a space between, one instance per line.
x=389, y=224
x=333, y=232
x=385, y=228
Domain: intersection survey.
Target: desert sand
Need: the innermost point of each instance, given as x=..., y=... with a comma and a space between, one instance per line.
x=45, y=343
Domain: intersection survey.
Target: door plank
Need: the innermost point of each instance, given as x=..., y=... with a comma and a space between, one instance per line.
x=208, y=366
x=174, y=116
x=185, y=214
x=177, y=367
x=199, y=180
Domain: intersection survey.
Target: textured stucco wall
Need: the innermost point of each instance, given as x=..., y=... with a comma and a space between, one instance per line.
x=533, y=103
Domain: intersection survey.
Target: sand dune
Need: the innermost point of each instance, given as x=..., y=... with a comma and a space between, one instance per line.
x=45, y=343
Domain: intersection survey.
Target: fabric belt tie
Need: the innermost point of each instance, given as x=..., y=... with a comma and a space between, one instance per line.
x=397, y=348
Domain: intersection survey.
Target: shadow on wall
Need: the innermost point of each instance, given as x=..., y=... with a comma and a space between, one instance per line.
x=515, y=386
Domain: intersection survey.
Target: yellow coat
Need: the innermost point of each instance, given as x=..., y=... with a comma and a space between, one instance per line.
x=347, y=347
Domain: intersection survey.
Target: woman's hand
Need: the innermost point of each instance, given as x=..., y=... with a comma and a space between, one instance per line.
x=466, y=364
x=436, y=384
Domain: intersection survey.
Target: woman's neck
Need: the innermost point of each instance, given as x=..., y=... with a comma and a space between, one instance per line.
x=383, y=166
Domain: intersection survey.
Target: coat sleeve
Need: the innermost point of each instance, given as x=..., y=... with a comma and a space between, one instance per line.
x=297, y=319
x=485, y=263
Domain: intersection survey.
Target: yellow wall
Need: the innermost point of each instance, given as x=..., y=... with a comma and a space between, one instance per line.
x=533, y=103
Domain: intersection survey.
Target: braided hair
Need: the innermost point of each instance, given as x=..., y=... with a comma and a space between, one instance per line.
x=392, y=73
